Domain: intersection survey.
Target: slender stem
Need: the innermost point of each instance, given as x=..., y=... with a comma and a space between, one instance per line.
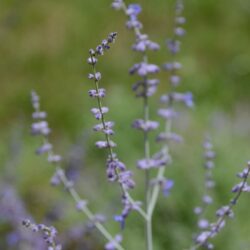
x=88, y=213
x=123, y=189
x=219, y=222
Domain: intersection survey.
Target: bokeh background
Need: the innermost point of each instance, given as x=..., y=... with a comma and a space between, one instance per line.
x=44, y=46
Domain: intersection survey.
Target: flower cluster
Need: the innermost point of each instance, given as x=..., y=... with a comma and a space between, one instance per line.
x=60, y=177
x=116, y=170
x=49, y=233
x=209, y=184
x=223, y=212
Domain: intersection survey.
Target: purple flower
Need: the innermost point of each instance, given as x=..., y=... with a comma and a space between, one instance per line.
x=125, y=178
x=44, y=149
x=54, y=158
x=105, y=144
x=142, y=43
x=80, y=205
x=173, y=46
x=186, y=98
x=145, y=125
x=166, y=186
x=167, y=113
x=39, y=115
x=97, y=94
x=107, y=126
x=175, y=80
x=143, y=69
x=203, y=223
x=117, y=4
x=169, y=137
x=99, y=113
x=40, y=128
x=133, y=10
x=92, y=60
x=149, y=163
x=180, y=20
x=179, y=31
x=139, y=87
x=113, y=165
x=127, y=208
x=225, y=210
x=111, y=245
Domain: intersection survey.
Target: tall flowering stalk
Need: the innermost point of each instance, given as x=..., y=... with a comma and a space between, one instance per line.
x=144, y=88
x=116, y=170
x=209, y=184
x=49, y=233
x=223, y=213
x=41, y=128
x=168, y=112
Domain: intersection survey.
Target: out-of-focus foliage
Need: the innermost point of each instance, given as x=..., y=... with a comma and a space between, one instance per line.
x=44, y=46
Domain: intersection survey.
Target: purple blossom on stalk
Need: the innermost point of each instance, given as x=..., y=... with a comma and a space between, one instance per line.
x=145, y=125
x=49, y=233
x=60, y=177
x=110, y=245
x=224, y=212
x=127, y=208
x=209, y=155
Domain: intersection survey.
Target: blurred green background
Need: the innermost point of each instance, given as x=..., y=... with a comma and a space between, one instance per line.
x=44, y=46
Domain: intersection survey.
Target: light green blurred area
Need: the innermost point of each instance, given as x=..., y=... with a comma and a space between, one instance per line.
x=44, y=46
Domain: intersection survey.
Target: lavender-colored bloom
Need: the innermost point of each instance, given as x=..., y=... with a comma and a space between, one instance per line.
x=125, y=178
x=49, y=233
x=238, y=187
x=243, y=174
x=186, y=98
x=173, y=46
x=180, y=20
x=97, y=76
x=167, y=113
x=57, y=177
x=114, y=166
x=143, y=69
x=111, y=245
x=132, y=24
x=45, y=148
x=99, y=113
x=54, y=158
x=39, y=115
x=175, y=80
x=198, y=210
x=117, y=4
x=105, y=144
x=172, y=66
x=142, y=43
x=209, y=164
x=108, y=125
x=145, y=125
x=98, y=94
x=127, y=208
x=169, y=137
x=40, y=128
x=80, y=205
x=151, y=86
x=149, y=163
x=179, y=31
x=92, y=60
x=203, y=223
x=133, y=10
x=167, y=185
x=225, y=210
x=207, y=199
x=202, y=237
